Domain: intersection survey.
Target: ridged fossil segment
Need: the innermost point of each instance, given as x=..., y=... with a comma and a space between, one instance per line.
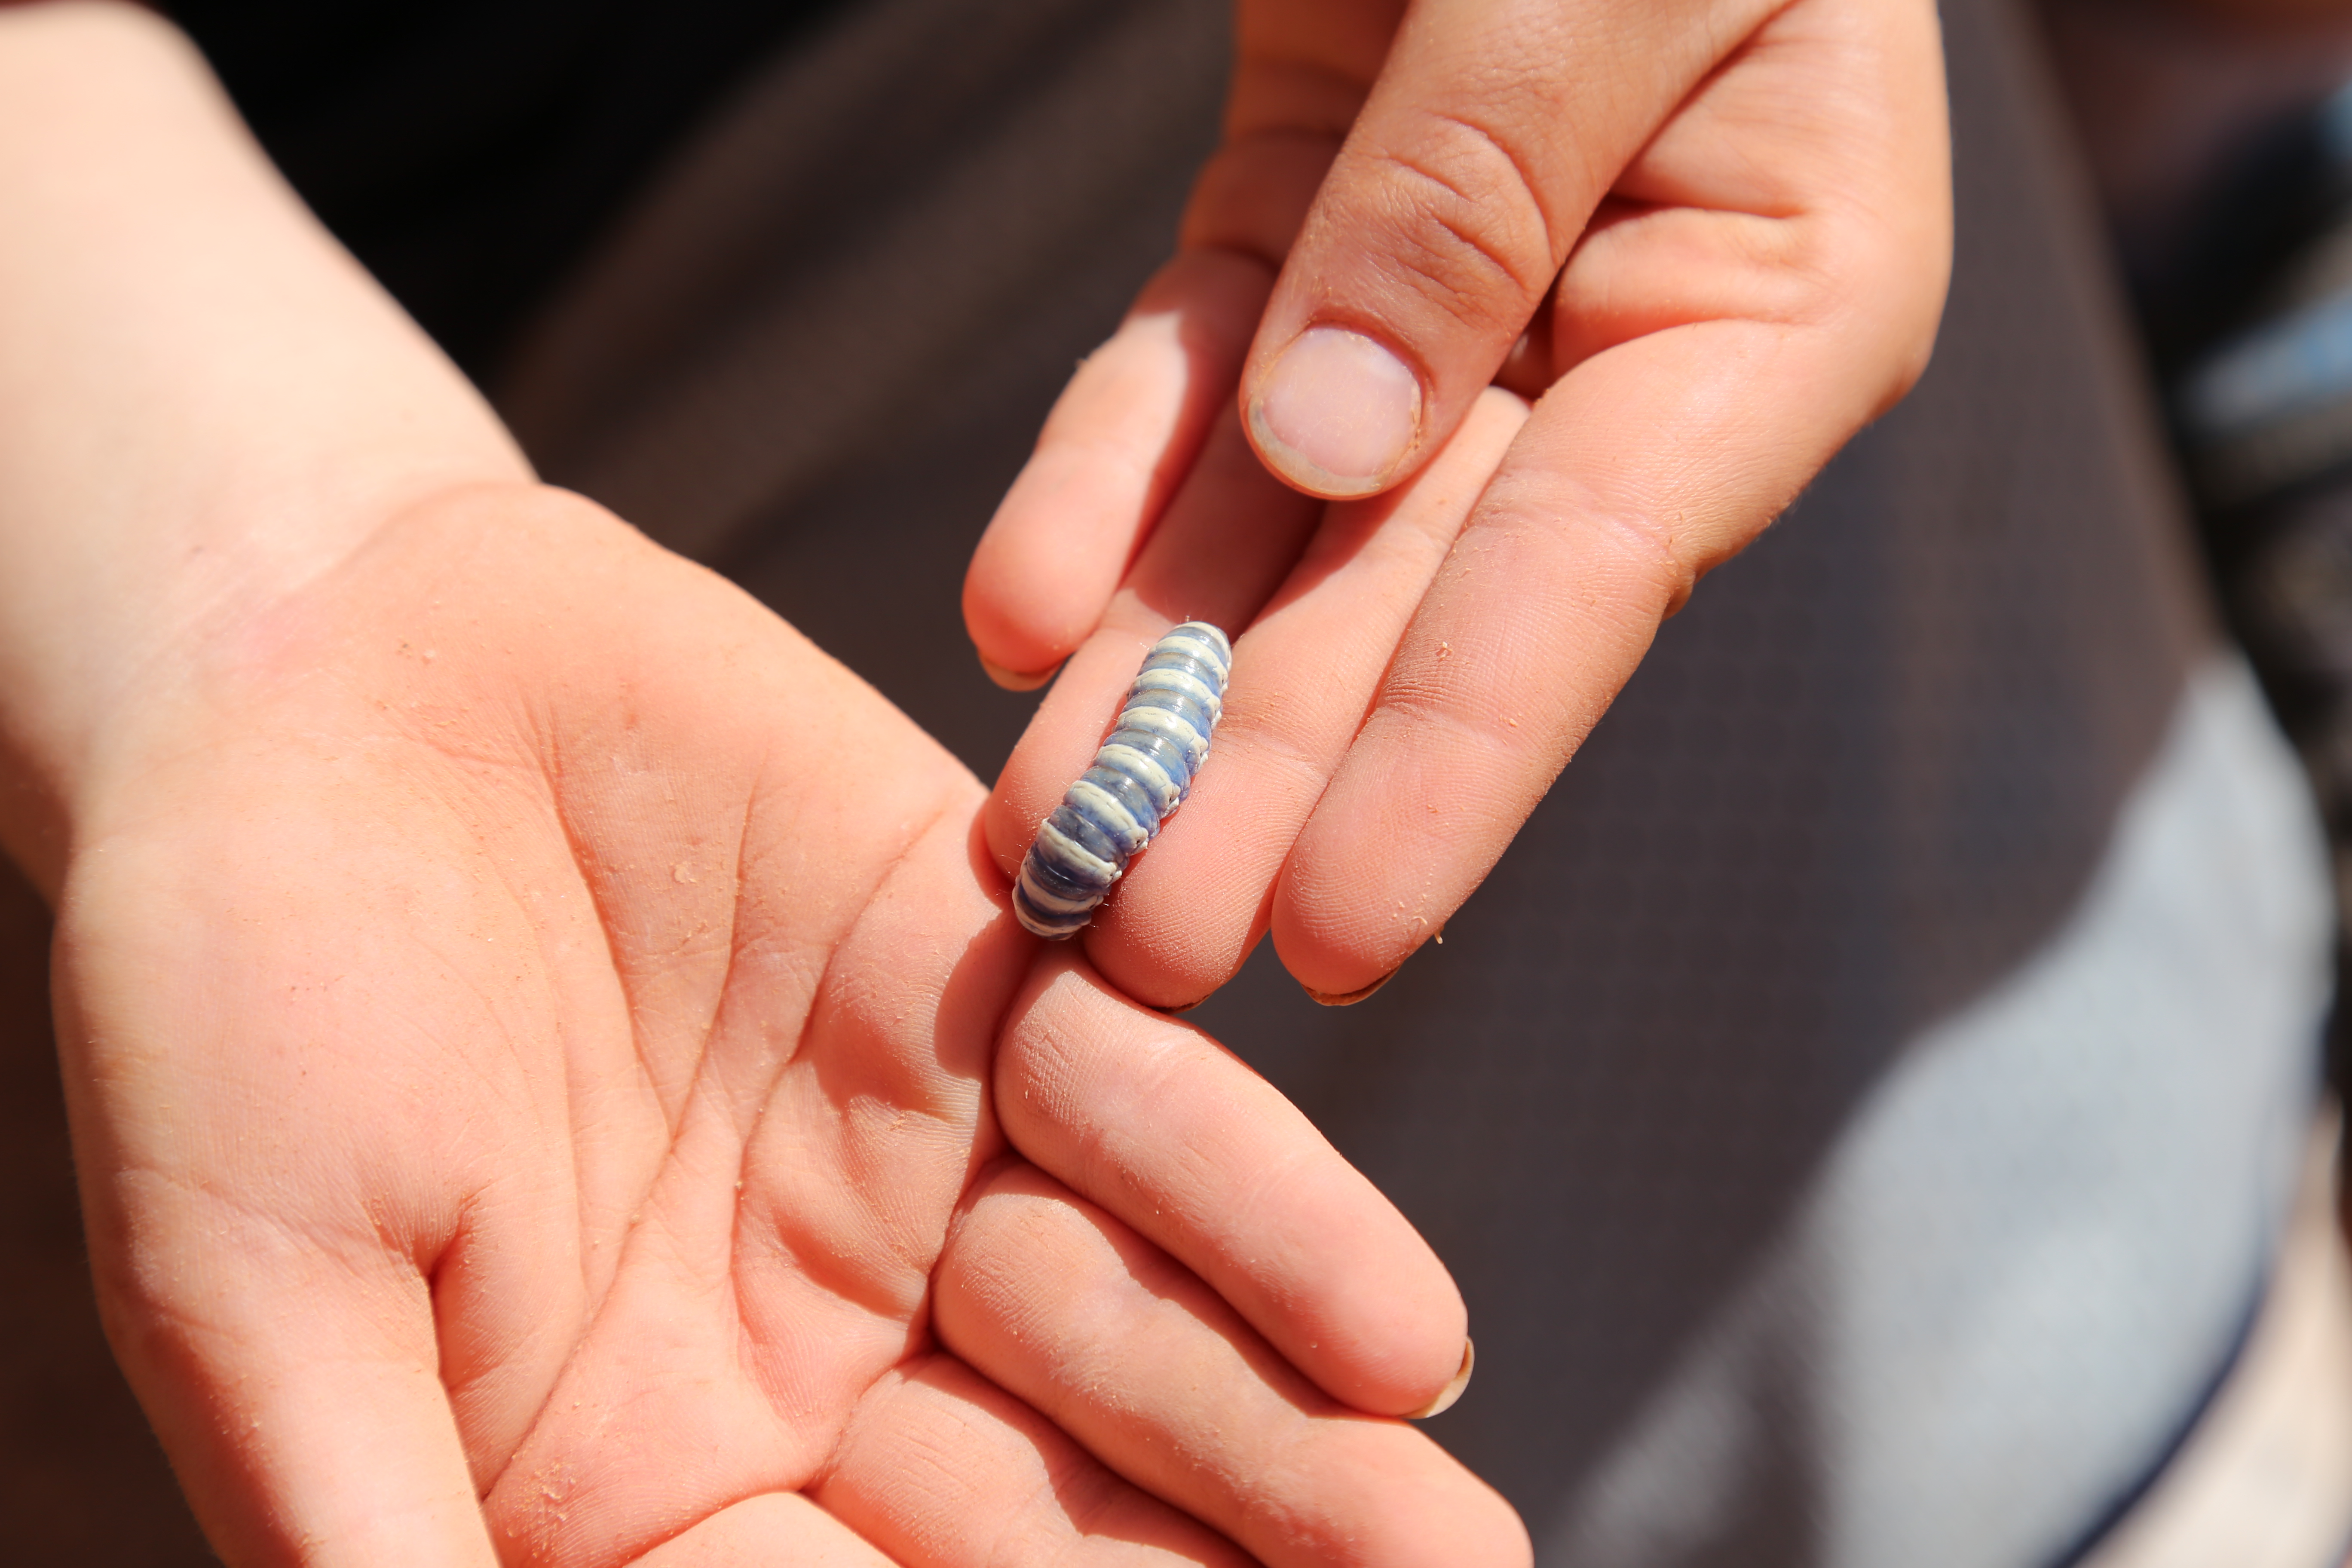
x=1141, y=775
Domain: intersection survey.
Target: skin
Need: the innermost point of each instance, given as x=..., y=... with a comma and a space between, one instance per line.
x=1706, y=241
x=553, y=1077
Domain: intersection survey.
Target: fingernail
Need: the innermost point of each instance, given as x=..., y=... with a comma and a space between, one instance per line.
x=1337, y=413
x=1451, y=1392
x=1349, y=998
x=1013, y=680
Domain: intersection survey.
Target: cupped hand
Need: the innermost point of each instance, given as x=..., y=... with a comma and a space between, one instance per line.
x=533, y=1029
x=1710, y=241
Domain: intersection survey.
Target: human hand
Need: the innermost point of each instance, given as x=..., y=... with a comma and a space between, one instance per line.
x=1709, y=241
x=527, y=1017
x=529, y=1021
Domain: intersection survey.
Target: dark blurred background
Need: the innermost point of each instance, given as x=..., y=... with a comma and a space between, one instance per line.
x=81, y=1478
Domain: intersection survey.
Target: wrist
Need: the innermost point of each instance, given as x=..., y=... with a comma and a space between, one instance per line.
x=210, y=404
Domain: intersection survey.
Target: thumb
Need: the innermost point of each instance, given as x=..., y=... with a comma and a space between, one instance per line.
x=298, y=1392
x=299, y=1398
x=1492, y=132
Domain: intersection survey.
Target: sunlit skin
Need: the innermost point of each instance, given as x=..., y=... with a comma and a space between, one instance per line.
x=1708, y=240
x=531, y=1021
x=553, y=1076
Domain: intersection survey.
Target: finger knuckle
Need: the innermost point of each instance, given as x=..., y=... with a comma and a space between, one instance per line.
x=1885, y=291
x=1663, y=558
x=1652, y=552
x=1255, y=191
x=1466, y=211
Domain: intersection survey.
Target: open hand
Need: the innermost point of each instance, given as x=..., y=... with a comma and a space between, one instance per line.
x=531, y=1034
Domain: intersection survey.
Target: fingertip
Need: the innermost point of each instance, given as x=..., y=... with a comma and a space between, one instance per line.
x=1120, y=441
x=1451, y=1394
x=1341, y=967
x=1411, y=825
x=1169, y=936
x=1343, y=950
x=1492, y=1530
x=1346, y=998
x=1337, y=414
x=1037, y=582
x=1013, y=679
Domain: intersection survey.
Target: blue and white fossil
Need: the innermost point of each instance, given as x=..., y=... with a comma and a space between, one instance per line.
x=1143, y=774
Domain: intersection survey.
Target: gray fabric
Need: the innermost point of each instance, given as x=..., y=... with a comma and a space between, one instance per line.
x=1650, y=1098
x=2071, y=1180
x=947, y=197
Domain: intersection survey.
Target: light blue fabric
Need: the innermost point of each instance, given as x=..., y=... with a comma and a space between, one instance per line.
x=2074, y=1179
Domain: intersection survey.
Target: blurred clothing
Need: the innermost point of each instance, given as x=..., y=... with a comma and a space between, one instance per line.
x=2221, y=148
x=468, y=150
